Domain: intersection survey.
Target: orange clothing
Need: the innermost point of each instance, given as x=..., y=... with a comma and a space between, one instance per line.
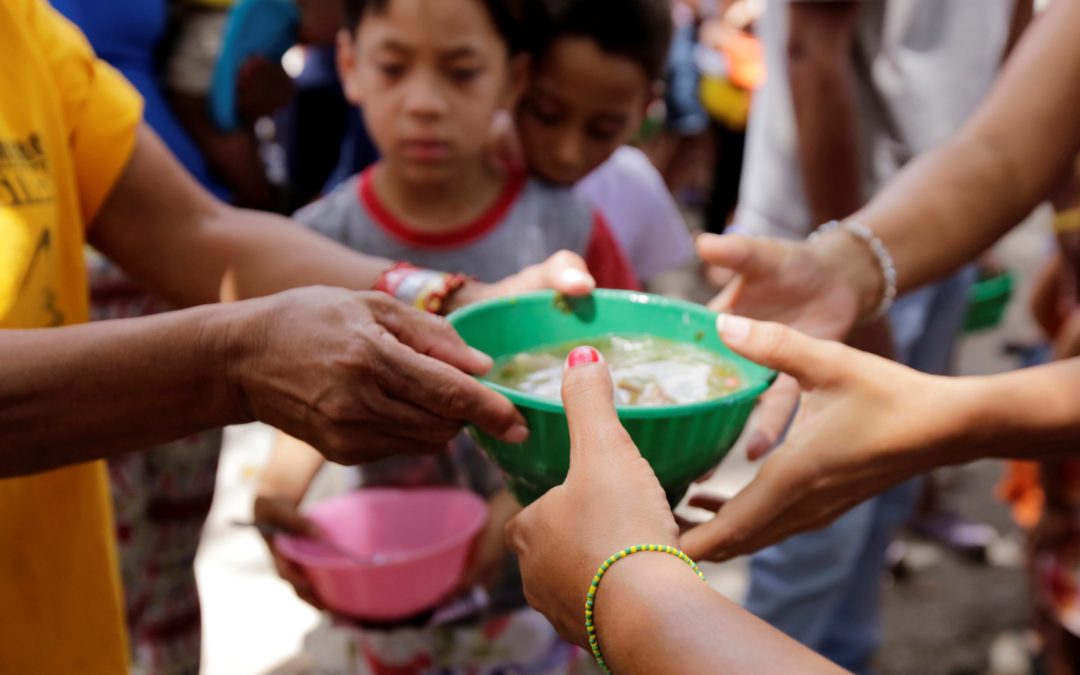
x=67, y=130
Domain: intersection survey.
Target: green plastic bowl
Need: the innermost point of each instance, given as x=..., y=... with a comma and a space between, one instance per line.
x=681, y=442
x=987, y=301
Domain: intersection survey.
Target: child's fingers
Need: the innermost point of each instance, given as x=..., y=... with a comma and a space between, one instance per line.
x=294, y=575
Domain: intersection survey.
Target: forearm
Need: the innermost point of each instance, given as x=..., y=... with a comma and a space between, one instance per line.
x=291, y=469
x=173, y=382
x=245, y=254
x=1027, y=414
x=822, y=82
x=953, y=203
x=653, y=615
x=1023, y=13
x=190, y=249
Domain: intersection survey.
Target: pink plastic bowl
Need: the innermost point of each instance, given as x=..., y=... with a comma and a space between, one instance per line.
x=412, y=545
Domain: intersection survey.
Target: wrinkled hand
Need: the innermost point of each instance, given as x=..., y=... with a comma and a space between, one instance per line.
x=564, y=272
x=360, y=376
x=279, y=514
x=865, y=424
x=611, y=500
x=789, y=282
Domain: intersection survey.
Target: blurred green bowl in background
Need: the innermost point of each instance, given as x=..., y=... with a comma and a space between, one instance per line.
x=987, y=301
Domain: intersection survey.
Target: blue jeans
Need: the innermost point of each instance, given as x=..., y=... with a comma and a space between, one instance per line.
x=823, y=588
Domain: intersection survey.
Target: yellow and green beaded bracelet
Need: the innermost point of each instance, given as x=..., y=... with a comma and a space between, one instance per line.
x=590, y=597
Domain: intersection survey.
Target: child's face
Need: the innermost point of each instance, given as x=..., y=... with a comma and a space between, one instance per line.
x=430, y=75
x=581, y=106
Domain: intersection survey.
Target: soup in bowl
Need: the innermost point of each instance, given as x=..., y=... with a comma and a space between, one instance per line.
x=682, y=395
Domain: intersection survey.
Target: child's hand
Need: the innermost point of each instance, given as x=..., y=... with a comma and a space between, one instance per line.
x=489, y=550
x=564, y=272
x=279, y=514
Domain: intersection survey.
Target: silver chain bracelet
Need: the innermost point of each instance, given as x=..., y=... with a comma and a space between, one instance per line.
x=881, y=254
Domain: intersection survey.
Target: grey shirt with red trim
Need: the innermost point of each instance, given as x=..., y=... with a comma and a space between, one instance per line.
x=529, y=222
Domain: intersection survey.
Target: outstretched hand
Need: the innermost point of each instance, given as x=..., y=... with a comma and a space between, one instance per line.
x=853, y=437
x=789, y=282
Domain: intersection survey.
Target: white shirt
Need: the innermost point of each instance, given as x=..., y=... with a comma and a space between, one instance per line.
x=640, y=212
x=922, y=67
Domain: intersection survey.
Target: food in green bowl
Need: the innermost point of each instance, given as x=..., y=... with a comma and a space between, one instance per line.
x=646, y=370
x=681, y=440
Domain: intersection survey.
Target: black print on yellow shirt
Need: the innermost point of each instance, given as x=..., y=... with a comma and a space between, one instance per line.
x=24, y=173
x=48, y=296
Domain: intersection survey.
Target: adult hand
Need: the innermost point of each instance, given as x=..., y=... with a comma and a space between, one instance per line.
x=611, y=496
x=795, y=283
x=865, y=424
x=273, y=514
x=360, y=376
x=564, y=272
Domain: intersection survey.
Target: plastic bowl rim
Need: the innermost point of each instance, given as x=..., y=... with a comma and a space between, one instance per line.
x=541, y=403
x=336, y=562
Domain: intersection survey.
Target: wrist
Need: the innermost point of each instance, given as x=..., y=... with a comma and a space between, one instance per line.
x=961, y=420
x=633, y=603
x=470, y=292
x=275, y=487
x=854, y=263
x=1026, y=414
x=871, y=272
x=235, y=335
x=426, y=290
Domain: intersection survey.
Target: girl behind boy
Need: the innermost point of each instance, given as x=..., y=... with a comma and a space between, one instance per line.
x=431, y=75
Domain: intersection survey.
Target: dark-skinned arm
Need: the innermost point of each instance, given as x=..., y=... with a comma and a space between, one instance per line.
x=822, y=81
x=179, y=242
x=358, y=375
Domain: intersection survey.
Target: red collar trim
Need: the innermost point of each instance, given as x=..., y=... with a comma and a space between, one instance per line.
x=456, y=237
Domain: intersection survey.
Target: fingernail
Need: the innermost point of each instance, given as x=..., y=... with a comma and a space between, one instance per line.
x=575, y=277
x=732, y=328
x=482, y=358
x=519, y=433
x=580, y=355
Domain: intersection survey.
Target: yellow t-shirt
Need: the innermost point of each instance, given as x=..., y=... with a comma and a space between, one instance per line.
x=67, y=129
